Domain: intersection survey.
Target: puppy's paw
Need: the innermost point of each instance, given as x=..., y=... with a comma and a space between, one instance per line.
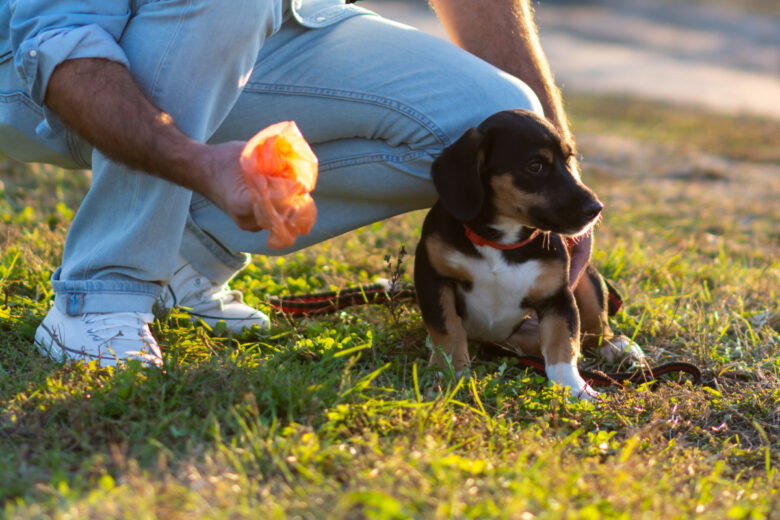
x=619, y=347
x=588, y=393
x=567, y=375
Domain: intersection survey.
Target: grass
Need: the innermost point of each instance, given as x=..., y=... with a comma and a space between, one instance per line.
x=747, y=138
x=339, y=416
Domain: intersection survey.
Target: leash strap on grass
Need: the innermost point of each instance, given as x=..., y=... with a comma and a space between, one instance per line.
x=601, y=379
x=332, y=301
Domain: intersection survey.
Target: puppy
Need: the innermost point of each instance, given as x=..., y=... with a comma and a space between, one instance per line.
x=493, y=250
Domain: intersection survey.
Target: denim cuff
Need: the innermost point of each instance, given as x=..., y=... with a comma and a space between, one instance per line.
x=94, y=296
x=209, y=257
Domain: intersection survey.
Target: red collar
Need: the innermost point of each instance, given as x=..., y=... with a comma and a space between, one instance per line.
x=478, y=240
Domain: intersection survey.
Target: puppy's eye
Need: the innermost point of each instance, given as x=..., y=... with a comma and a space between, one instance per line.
x=536, y=166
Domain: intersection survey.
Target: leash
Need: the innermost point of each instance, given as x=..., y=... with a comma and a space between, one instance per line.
x=601, y=379
x=332, y=301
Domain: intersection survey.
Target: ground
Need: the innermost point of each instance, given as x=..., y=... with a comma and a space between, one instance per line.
x=339, y=416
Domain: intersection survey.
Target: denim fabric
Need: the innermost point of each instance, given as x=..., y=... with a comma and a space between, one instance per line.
x=377, y=100
x=38, y=35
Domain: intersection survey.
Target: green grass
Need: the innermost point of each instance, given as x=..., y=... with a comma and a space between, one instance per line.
x=746, y=138
x=339, y=416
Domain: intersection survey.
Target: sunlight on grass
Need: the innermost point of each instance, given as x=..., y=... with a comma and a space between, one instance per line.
x=339, y=416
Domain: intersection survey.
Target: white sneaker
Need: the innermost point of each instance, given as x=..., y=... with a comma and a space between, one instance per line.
x=204, y=300
x=110, y=338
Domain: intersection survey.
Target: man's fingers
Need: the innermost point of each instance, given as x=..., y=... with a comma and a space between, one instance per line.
x=247, y=221
x=249, y=225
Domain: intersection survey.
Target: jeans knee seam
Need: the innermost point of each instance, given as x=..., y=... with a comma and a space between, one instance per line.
x=213, y=246
x=350, y=95
x=166, y=52
x=368, y=158
x=72, y=140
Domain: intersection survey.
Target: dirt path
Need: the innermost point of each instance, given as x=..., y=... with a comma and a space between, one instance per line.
x=725, y=60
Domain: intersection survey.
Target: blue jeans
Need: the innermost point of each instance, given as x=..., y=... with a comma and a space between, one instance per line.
x=377, y=101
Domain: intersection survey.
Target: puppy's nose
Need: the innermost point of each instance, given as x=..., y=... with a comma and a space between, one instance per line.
x=592, y=209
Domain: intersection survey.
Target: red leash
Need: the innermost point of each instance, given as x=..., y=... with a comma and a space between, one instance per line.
x=332, y=301
x=601, y=379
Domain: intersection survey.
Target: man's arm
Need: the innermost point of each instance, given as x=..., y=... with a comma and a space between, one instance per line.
x=503, y=33
x=100, y=100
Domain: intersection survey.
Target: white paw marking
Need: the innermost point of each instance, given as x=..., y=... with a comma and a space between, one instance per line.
x=567, y=375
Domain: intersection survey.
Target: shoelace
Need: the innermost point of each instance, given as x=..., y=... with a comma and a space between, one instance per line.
x=221, y=293
x=116, y=324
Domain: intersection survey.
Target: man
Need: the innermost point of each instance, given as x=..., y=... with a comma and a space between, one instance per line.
x=134, y=88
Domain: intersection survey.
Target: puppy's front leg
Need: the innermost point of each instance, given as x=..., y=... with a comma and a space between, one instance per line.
x=559, y=335
x=591, y=295
x=446, y=330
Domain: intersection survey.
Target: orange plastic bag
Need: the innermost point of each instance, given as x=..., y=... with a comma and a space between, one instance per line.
x=281, y=170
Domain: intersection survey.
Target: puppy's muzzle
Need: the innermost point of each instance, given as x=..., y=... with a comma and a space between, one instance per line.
x=592, y=210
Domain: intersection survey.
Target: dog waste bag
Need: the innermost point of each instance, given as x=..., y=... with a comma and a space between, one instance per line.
x=281, y=170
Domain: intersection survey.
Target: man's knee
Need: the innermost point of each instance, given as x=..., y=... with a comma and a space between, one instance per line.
x=498, y=91
x=506, y=92
x=520, y=95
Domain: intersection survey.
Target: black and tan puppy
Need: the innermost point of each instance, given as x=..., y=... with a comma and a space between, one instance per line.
x=493, y=248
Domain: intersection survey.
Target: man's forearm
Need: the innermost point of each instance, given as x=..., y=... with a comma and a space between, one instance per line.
x=100, y=100
x=503, y=33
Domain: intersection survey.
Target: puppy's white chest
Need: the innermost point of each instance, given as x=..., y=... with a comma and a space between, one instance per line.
x=493, y=305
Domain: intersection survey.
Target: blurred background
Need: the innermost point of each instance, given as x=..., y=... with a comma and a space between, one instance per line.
x=723, y=55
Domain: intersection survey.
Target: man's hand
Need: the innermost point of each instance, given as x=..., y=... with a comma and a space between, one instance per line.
x=100, y=100
x=228, y=189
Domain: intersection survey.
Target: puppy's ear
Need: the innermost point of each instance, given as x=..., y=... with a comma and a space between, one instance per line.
x=455, y=175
